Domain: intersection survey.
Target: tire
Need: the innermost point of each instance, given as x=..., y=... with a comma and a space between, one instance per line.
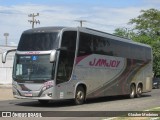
x=139, y=91
x=79, y=96
x=132, y=91
x=43, y=101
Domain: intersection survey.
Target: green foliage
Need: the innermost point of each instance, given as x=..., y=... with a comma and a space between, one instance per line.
x=121, y=32
x=124, y=32
x=143, y=39
x=148, y=23
x=146, y=30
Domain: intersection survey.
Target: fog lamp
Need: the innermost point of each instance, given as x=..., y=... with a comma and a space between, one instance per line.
x=49, y=94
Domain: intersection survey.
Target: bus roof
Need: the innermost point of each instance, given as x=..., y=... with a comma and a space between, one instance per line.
x=45, y=29
x=84, y=29
x=111, y=36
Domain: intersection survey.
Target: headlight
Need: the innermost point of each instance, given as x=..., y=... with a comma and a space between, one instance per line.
x=47, y=85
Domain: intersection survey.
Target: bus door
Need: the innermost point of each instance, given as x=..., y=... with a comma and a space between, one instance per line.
x=65, y=63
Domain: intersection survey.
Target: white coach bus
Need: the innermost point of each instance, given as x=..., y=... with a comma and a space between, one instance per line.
x=53, y=63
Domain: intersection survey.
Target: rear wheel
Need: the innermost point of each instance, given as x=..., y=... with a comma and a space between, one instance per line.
x=79, y=96
x=132, y=91
x=139, y=91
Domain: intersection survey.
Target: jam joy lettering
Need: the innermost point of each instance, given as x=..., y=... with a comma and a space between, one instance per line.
x=104, y=63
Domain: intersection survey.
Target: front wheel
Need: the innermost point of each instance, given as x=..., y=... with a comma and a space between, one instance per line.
x=79, y=96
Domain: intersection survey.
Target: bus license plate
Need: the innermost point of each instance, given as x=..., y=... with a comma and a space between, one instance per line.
x=28, y=94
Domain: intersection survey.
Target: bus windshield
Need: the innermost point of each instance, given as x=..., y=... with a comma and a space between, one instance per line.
x=33, y=67
x=38, y=41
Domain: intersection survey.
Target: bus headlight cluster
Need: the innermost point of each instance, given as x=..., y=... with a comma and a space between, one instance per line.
x=47, y=85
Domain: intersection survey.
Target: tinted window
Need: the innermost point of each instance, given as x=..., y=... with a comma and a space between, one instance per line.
x=38, y=41
x=101, y=45
x=66, y=58
x=148, y=53
x=85, y=44
x=92, y=44
x=69, y=40
x=120, y=49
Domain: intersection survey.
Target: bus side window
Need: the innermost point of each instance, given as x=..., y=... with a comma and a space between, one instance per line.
x=66, y=58
x=85, y=44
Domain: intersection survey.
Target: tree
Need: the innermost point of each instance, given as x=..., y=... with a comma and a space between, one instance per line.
x=143, y=39
x=147, y=26
x=148, y=23
x=146, y=30
x=124, y=32
x=120, y=32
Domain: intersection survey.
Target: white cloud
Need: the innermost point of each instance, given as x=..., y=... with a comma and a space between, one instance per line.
x=14, y=19
x=153, y=2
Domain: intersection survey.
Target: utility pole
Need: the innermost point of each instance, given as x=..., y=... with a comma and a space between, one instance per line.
x=81, y=22
x=6, y=36
x=33, y=21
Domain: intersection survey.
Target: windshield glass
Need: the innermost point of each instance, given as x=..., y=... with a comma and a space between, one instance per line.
x=38, y=41
x=33, y=67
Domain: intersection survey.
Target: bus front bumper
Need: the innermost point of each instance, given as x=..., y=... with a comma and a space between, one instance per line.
x=37, y=95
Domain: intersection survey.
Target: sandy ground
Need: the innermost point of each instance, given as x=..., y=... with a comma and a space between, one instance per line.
x=6, y=92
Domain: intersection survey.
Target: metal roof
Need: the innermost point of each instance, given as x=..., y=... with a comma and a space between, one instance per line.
x=44, y=29
x=89, y=30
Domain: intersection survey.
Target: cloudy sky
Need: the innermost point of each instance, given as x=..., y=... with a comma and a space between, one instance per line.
x=104, y=15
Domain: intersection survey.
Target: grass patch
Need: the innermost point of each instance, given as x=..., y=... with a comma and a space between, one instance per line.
x=155, y=109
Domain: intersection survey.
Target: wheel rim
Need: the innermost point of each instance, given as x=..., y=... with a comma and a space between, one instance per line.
x=80, y=96
x=139, y=91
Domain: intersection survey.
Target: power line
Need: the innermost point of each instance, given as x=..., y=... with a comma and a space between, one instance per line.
x=33, y=21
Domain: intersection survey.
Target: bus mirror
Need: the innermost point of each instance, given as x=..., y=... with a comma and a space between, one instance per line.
x=53, y=56
x=4, y=57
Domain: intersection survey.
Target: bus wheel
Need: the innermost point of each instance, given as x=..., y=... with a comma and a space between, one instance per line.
x=132, y=91
x=79, y=96
x=139, y=91
x=43, y=101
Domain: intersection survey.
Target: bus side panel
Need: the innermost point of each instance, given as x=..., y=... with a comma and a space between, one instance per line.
x=66, y=90
x=104, y=79
x=144, y=76
x=97, y=71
